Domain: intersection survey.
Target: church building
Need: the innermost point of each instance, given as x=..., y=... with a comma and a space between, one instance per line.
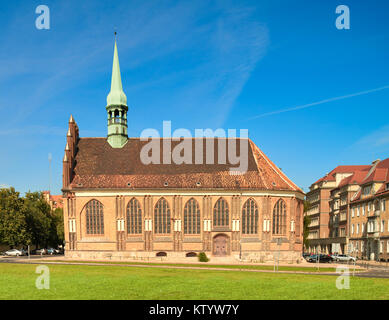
x=118, y=207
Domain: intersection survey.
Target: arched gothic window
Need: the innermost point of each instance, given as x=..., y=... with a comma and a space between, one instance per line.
x=220, y=214
x=134, y=217
x=192, y=217
x=94, y=217
x=250, y=217
x=162, y=217
x=279, y=217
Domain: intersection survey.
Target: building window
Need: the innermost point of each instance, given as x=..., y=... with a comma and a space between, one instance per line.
x=367, y=190
x=162, y=217
x=250, y=217
x=192, y=217
x=381, y=246
x=279, y=217
x=134, y=217
x=94, y=217
x=352, y=229
x=358, y=228
x=382, y=205
x=220, y=214
x=382, y=225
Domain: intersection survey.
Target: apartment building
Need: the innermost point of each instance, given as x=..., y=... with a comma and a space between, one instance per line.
x=369, y=215
x=329, y=199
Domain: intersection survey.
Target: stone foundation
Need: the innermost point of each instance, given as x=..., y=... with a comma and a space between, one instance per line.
x=171, y=256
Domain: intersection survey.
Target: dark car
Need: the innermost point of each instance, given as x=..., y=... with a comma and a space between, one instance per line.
x=306, y=255
x=321, y=257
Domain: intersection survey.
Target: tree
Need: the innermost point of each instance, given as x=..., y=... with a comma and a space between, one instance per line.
x=38, y=218
x=13, y=225
x=307, y=221
x=57, y=232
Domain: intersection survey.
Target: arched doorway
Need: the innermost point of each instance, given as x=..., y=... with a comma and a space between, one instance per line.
x=221, y=245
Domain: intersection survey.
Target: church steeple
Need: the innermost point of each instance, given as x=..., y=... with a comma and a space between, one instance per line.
x=117, y=107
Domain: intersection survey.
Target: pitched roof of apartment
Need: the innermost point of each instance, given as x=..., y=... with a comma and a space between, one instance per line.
x=98, y=165
x=343, y=169
x=379, y=173
x=356, y=178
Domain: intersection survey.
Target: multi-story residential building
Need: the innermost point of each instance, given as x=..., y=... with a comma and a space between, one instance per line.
x=329, y=198
x=369, y=218
x=55, y=201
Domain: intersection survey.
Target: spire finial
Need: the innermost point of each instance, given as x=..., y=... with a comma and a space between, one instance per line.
x=116, y=96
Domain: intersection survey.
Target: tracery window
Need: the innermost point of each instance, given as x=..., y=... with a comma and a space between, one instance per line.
x=192, y=217
x=221, y=214
x=279, y=217
x=134, y=217
x=162, y=217
x=250, y=217
x=94, y=217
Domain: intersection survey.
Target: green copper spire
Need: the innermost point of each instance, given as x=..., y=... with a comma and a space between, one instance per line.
x=116, y=96
x=116, y=107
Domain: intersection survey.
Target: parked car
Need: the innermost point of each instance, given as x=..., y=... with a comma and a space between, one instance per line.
x=16, y=252
x=306, y=255
x=52, y=251
x=343, y=257
x=320, y=257
x=41, y=251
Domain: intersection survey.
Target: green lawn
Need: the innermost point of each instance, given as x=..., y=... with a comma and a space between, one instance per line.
x=312, y=268
x=17, y=281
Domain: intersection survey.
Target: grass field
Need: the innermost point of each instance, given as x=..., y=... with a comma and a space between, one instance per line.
x=207, y=265
x=17, y=281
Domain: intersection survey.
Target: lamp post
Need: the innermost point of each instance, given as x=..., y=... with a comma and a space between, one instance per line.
x=240, y=249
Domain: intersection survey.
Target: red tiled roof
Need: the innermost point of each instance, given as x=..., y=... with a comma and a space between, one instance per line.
x=343, y=169
x=98, y=165
x=380, y=172
x=356, y=178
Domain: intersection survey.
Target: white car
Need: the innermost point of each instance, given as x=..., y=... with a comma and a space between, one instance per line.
x=15, y=252
x=343, y=257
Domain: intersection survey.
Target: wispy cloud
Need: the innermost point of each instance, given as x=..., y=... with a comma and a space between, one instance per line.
x=319, y=102
x=377, y=140
x=229, y=40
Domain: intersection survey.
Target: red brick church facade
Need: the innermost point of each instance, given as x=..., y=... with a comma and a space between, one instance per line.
x=115, y=206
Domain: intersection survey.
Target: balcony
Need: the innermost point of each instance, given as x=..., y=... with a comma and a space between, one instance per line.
x=343, y=217
x=312, y=211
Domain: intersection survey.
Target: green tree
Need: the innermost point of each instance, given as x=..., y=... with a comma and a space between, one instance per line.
x=38, y=218
x=57, y=232
x=14, y=230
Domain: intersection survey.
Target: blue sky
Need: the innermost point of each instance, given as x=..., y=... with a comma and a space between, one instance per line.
x=200, y=64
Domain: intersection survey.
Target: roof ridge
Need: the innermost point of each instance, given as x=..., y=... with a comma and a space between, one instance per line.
x=276, y=169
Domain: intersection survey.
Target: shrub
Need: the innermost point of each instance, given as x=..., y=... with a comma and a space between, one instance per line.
x=203, y=257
